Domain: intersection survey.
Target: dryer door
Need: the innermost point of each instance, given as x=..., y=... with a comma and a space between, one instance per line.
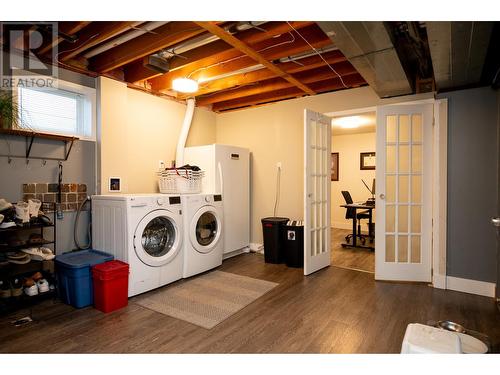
x=157, y=238
x=205, y=229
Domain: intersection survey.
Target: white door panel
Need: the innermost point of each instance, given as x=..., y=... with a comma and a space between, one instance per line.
x=403, y=238
x=317, y=160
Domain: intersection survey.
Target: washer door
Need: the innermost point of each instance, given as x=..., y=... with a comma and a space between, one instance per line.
x=157, y=238
x=205, y=229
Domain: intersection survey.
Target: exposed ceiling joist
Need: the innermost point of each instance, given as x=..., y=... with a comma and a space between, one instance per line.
x=137, y=72
x=93, y=35
x=458, y=51
x=68, y=28
x=310, y=76
x=246, y=49
x=151, y=42
x=323, y=86
x=233, y=59
x=367, y=45
x=242, y=79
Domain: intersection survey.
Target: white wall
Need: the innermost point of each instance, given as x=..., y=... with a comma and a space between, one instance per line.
x=138, y=130
x=349, y=147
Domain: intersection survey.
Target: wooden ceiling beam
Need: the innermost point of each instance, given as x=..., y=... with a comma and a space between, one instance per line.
x=249, y=51
x=146, y=44
x=232, y=60
x=310, y=76
x=242, y=79
x=68, y=28
x=136, y=71
x=91, y=36
x=293, y=92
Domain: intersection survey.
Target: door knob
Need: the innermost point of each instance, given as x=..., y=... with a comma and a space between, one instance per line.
x=382, y=196
x=496, y=221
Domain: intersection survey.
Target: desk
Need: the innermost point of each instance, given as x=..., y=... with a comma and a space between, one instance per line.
x=356, y=207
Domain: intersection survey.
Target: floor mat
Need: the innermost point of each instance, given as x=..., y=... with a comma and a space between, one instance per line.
x=206, y=300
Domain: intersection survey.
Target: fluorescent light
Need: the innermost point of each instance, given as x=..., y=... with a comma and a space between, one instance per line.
x=350, y=122
x=186, y=85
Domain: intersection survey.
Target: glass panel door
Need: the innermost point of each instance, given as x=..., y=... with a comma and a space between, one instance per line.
x=404, y=226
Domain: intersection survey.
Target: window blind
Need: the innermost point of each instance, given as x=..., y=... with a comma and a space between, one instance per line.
x=52, y=111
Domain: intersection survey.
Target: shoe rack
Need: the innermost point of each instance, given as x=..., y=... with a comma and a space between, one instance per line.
x=11, y=271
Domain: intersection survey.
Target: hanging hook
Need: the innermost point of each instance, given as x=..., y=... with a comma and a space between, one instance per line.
x=9, y=160
x=44, y=162
x=27, y=161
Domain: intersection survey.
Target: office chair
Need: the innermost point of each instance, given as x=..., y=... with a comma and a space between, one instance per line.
x=350, y=213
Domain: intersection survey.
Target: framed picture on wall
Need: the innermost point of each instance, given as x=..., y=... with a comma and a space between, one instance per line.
x=335, y=166
x=367, y=160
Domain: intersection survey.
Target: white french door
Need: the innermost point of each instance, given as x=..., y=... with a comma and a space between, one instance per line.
x=403, y=232
x=317, y=160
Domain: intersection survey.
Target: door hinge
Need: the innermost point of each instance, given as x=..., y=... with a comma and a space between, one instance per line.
x=433, y=121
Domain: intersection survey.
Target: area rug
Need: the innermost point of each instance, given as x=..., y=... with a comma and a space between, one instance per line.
x=208, y=299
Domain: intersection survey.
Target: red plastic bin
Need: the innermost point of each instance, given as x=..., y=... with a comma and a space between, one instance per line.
x=110, y=285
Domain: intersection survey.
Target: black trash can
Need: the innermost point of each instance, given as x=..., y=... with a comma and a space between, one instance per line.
x=294, y=244
x=272, y=228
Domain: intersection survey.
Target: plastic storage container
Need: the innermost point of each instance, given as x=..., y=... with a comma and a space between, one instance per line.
x=74, y=276
x=272, y=228
x=294, y=244
x=110, y=285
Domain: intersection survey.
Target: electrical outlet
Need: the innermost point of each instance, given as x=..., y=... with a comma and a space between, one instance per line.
x=279, y=165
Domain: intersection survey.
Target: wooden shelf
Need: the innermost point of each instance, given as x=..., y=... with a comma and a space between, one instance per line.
x=29, y=133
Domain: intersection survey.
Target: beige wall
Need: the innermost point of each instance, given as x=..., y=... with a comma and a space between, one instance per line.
x=138, y=130
x=349, y=147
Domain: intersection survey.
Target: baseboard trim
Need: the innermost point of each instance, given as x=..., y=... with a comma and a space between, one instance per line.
x=257, y=248
x=481, y=288
x=439, y=281
x=234, y=253
x=341, y=225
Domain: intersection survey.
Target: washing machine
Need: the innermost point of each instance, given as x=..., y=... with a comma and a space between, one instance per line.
x=144, y=230
x=203, y=230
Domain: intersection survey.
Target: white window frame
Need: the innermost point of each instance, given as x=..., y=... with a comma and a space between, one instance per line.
x=87, y=124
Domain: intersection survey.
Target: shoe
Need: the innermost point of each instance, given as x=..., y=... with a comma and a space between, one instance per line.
x=44, y=219
x=1, y=218
x=36, y=239
x=37, y=276
x=5, y=291
x=31, y=290
x=7, y=224
x=16, y=288
x=43, y=286
x=23, y=212
x=39, y=253
x=15, y=241
x=33, y=207
x=18, y=257
x=4, y=205
x=28, y=282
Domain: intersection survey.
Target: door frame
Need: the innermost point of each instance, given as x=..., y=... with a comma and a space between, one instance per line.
x=439, y=176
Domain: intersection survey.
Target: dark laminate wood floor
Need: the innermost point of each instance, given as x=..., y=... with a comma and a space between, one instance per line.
x=333, y=311
x=357, y=259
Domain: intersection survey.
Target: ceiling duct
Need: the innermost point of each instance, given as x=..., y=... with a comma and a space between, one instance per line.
x=157, y=63
x=368, y=47
x=458, y=51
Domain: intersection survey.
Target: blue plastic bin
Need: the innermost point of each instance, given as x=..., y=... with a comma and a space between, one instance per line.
x=74, y=275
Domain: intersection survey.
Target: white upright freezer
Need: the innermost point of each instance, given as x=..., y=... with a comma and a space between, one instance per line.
x=227, y=172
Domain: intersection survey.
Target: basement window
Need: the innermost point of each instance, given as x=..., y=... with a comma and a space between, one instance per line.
x=68, y=110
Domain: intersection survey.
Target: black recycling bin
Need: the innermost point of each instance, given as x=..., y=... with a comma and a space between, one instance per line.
x=294, y=244
x=272, y=228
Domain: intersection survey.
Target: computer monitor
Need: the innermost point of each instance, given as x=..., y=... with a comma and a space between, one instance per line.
x=372, y=190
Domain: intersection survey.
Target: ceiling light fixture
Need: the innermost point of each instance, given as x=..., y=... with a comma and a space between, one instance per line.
x=350, y=122
x=186, y=85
